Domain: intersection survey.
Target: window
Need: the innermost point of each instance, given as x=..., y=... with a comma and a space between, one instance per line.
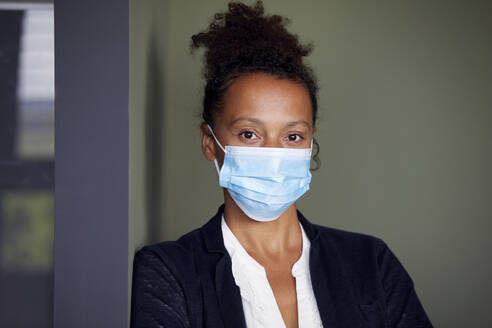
x=26, y=164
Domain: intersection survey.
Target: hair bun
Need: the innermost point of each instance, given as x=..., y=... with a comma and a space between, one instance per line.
x=244, y=37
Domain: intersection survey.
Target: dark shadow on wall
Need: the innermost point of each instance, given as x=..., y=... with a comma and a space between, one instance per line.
x=154, y=116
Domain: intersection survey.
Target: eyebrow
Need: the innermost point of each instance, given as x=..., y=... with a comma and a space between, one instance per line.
x=247, y=119
x=258, y=122
x=299, y=122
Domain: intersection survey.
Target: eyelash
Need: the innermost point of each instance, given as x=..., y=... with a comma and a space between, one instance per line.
x=295, y=134
x=247, y=131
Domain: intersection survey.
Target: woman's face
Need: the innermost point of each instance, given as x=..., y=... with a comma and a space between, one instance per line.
x=260, y=110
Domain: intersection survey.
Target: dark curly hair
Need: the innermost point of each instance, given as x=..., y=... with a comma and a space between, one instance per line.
x=245, y=40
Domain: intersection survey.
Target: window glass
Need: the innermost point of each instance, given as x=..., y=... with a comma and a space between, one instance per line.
x=26, y=164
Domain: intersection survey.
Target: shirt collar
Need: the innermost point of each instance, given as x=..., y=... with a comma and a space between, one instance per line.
x=214, y=241
x=237, y=251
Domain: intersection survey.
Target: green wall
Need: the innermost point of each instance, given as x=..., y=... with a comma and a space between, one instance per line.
x=404, y=129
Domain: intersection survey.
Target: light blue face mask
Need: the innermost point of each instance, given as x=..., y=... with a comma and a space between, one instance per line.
x=264, y=181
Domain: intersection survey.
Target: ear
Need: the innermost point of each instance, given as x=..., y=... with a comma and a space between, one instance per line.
x=208, y=142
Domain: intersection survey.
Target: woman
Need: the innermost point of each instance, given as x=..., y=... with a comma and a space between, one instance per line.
x=259, y=262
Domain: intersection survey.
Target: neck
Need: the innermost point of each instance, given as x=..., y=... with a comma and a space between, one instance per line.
x=272, y=239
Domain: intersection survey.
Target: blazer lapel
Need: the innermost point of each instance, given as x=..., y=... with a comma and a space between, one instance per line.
x=228, y=293
x=331, y=287
x=321, y=288
x=319, y=276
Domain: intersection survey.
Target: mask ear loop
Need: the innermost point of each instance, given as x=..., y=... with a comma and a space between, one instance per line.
x=218, y=143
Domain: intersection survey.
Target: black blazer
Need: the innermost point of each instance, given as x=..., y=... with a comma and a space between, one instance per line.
x=357, y=282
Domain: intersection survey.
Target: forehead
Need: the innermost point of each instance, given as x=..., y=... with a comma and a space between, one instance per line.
x=266, y=97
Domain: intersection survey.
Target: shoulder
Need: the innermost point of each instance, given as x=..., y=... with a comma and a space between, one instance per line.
x=348, y=242
x=175, y=256
x=164, y=284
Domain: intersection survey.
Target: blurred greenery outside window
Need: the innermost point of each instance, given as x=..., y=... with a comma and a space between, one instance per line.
x=28, y=226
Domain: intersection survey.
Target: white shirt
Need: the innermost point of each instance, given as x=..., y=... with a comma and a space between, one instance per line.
x=259, y=304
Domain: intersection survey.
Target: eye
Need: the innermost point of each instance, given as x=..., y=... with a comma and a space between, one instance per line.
x=294, y=137
x=250, y=135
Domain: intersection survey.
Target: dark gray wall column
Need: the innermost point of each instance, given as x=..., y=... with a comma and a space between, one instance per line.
x=91, y=173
